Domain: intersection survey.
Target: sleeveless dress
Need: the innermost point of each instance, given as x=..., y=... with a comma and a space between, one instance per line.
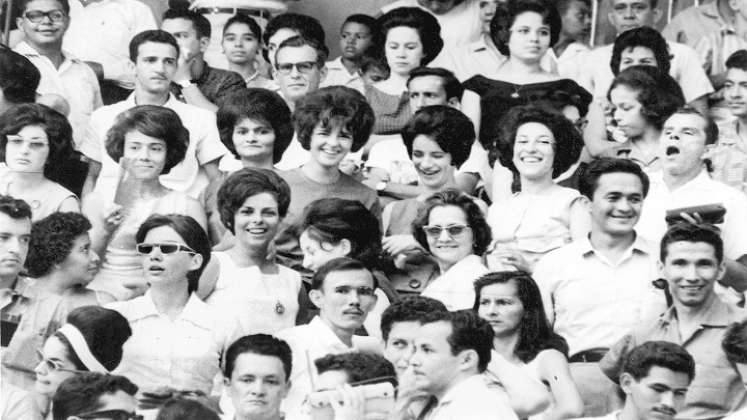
x=44, y=202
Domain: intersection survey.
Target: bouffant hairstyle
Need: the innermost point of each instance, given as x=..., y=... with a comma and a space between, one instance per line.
x=154, y=121
x=568, y=141
x=246, y=183
x=52, y=240
x=641, y=37
x=331, y=107
x=506, y=13
x=448, y=127
x=475, y=219
x=421, y=21
x=658, y=93
x=55, y=125
x=261, y=105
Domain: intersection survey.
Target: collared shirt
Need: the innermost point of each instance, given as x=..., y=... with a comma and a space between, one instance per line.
x=471, y=399
x=73, y=80
x=701, y=190
x=184, y=352
x=101, y=32
x=631, y=151
x=717, y=388
x=204, y=145
x=455, y=288
x=569, y=64
x=308, y=343
x=714, y=48
x=622, y=292
x=729, y=157
x=693, y=23
x=337, y=75
x=215, y=85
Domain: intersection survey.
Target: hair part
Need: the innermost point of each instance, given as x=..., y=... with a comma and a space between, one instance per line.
x=468, y=332
x=657, y=92
x=424, y=23
x=155, y=36
x=644, y=37
x=337, y=265
x=452, y=86
x=506, y=13
x=358, y=367
x=14, y=208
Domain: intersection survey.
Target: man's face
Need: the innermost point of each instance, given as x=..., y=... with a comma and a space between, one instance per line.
x=682, y=144
x=43, y=22
x=400, y=344
x=735, y=92
x=297, y=71
x=239, y=43
x=345, y=298
x=155, y=66
x=631, y=14
x=658, y=396
x=577, y=21
x=434, y=365
x=426, y=90
x=257, y=385
x=616, y=204
x=438, y=7
x=691, y=268
x=190, y=44
x=354, y=40
x=14, y=244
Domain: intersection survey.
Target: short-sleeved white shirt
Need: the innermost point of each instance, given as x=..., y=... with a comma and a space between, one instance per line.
x=472, y=399
x=337, y=75
x=455, y=288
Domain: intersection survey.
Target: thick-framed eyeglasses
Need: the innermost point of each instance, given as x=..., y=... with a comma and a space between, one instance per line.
x=455, y=230
x=36, y=16
x=304, y=67
x=166, y=248
x=110, y=415
x=52, y=365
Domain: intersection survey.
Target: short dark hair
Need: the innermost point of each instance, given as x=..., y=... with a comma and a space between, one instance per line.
x=468, y=332
x=333, y=219
x=645, y=37
x=14, y=208
x=734, y=343
x=193, y=234
x=373, y=58
x=52, y=240
x=588, y=181
x=452, y=86
x=658, y=93
x=568, y=141
x=410, y=308
x=475, y=219
x=737, y=60
x=21, y=7
x=199, y=22
x=366, y=367
x=304, y=25
x=153, y=35
x=334, y=106
x=690, y=232
x=154, y=121
x=240, y=18
x=55, y=125
x=564, y=5
x=710, y=129
x=506, y=13
x=82, y=393
x=262, y=105
x=424, y=23
x=185, y=409
x=448, y=127
x=322, y=52
x=362, y=19
x=19, y=78
x=335, y=265
x=246, y=183
x=641, y=359
x=262, y=344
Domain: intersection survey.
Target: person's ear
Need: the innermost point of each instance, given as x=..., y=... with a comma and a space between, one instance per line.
x=611, y=19
x=626, y=381
x=316, y=296
x=660, y=269
x=468, y=359
x=657, y=14
x=195, y=262
x=204, y=43
x=722, y=273
x=285, y=389
x=322, y=73
x=345, y=247
x=454, y=103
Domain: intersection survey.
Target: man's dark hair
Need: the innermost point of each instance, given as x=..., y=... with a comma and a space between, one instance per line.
x=663, y=354
x=21, y=6
x=248, y=182
x=451, y=84
x=738, y=60
x=19, y=78
x=446, y=126
x=52, y=240
x=734, y=343
x=564, y=5
x=645, y=37
x=154, y=35
x=689, y=232
x=304, y=25
x=410, y=308
x=14, y=208
x=468, y=332
x=322, y=52
x=589, y=179
x=365, y=367
x=262, y=344
x=335, y=265
x=711, y=129
x=82, y=393
x=199, y=22
x=240, y=18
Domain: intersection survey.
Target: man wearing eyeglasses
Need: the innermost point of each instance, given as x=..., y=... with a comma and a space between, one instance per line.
x=44, y=22
x=92, y=395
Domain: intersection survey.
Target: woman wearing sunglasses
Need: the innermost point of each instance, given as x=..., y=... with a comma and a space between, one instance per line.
x=452, y=228
x=90, y=341
x=177, y=339
x=148, y=141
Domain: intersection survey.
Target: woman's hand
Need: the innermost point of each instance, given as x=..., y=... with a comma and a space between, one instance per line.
x=399, y=244
x=113, y=217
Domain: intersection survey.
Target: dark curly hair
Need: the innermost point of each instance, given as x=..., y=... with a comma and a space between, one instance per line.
x=154, y=121
x=641, y=37
x=568, y=141
x=334, y=106
x=506, y=13
x=409, y=309
x=448, y=127
x=641, y=359
x=359, y=367
x=424, y=23
x=52, y=240
x=261, y=105
x=14, y=208
x=475, y=219
x=658, y=93
x=246, y=183
x=55, y=125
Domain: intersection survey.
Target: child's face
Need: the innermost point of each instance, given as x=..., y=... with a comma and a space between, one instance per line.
x=374, y=75
x=354, y=39
x=329, y=145
x=240, y=44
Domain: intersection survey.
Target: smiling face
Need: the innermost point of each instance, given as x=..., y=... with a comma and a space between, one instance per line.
x=530, y=37
x=155, y=66
x=355, y=38
x=45, y=32
x=400, y=344
x=296, y=84
x=659, y=395
x=47, y=380
x=500, y=305
x=631, y=14
x=691, y=268
x=735, y=92
x=637, y=56
x=256, y=221
x=253, y=140
x=146, y=155
x=28, y=150
x=627, y=111
x=403, y=49
x=447, y=249
x=431, y=162
x=682, y=145
x=239, y=43
x=576, y=22
x=257, y=385
x=160, y=268
x=14, y=245
x=534, y=151
x=82, y=264
x=328, y=146
x=345, y=299
x=616, y=204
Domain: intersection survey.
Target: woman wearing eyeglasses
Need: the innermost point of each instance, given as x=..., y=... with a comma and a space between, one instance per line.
x=148, y=141
x=453, y=229
x=35, y=142
x=177, y=339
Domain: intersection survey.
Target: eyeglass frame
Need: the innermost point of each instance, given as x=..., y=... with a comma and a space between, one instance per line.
x=463, y=228
x=54, y=365
x=179, y=248
x=47, y=14
x=297, y=66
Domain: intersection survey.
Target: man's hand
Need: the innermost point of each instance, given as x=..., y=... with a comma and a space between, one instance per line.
x=97, y=68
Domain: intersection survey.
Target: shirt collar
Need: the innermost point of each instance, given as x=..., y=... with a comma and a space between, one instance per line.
x=464, y=388
x=168, y=104
x=639, y=245
x=325, y=336
x=24, y=48
x=717, y=315
x=195, y=311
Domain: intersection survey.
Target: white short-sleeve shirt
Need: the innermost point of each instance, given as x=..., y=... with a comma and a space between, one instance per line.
x=455, y=288
x=472, y=399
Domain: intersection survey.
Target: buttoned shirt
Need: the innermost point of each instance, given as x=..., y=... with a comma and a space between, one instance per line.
x=714, y=48
x=73, y=80
x=456, y=287
x=592, y=301
x=204, y=145
x=693, y=23
x=717, y=388
x=184, y=353
x=338, y=75
x=701, y=190
x=308, y=343
x=471, y=399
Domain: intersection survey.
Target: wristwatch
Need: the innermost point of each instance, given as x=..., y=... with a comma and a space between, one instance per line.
x=381, y=185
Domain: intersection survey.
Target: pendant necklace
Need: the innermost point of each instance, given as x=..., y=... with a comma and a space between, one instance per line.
x=279, y=307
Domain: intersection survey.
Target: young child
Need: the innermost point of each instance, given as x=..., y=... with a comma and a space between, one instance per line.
x=242, y=38
x=358, y=34
x=373, y=67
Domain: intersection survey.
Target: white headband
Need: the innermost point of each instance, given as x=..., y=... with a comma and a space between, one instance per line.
x=80, y=347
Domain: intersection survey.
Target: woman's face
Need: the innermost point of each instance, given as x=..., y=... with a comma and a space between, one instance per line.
x=253, y=139
x=448, y=248
x=328, y=146
x=146, y=155
x=431, y=162
x=404, y=49
x=28, y=150
x=637, y=56
x=55, y=367
x=627, y=111
x=161, y=267
x=530, y=37
x=256, y=221
x=82, y=264
x=499, y=304
x=316, y=254
x=534, y=150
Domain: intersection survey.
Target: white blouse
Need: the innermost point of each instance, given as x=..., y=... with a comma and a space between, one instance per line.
x=455, y=288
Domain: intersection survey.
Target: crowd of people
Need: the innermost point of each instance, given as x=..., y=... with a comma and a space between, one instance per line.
x=471, y=213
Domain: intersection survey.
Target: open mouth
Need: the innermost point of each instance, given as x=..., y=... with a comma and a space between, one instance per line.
x=672, y=150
